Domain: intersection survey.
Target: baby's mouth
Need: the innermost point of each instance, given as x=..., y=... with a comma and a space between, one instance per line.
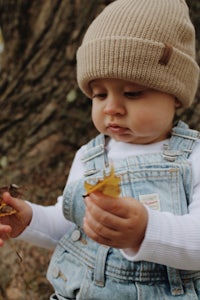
x=116, y=129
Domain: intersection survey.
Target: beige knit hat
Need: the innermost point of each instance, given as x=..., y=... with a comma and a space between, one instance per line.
x=149, y=42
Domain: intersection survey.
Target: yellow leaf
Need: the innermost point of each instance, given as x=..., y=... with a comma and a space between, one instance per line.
x=15, y=191
x=6, y=210
x=108, y=186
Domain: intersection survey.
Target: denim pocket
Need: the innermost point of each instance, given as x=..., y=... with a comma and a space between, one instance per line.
x=66, y=274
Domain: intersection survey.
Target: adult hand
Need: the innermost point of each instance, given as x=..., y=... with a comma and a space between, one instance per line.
x=115, y=222
x=13, y=225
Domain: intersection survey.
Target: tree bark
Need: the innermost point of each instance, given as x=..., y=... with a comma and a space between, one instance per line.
x=44, y=116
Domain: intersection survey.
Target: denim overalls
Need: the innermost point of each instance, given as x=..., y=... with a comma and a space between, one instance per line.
x=83, y=269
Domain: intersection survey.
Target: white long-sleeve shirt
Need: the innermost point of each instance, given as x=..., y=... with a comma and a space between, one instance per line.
x=170, y=240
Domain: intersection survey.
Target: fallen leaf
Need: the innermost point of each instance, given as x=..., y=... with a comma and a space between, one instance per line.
x=108, y=186
x=6, y=210
x=15, y=191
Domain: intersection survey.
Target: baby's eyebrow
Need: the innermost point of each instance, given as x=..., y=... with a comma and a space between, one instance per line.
x=94, y=84
x=97, y=87
x=135, y=88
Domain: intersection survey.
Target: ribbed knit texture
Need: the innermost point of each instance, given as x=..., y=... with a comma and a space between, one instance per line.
x=127, y=41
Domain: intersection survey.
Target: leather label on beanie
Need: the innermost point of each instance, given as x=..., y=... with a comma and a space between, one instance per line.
x=167, y=53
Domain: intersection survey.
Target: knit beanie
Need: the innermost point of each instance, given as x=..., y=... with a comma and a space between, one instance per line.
x=148, y=42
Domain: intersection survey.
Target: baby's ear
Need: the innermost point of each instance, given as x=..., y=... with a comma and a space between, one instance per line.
x=178, y=103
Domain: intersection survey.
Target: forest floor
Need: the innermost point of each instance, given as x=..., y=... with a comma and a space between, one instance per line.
x=23, y=266
x=25, y=277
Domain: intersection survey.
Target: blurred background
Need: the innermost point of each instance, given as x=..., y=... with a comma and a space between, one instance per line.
x=44, y=118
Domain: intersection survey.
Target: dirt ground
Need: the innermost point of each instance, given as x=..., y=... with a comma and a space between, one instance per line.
x=23, y=266
x=25, y=277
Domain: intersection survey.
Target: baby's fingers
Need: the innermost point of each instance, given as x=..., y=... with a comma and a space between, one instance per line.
x=116, y=206
x=9, y=200
x=5, y=231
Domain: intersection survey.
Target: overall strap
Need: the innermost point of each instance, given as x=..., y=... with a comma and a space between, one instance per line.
x=181, y=142
x=95, y=157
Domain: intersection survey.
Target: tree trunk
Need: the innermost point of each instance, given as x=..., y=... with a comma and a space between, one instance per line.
x=44, y=117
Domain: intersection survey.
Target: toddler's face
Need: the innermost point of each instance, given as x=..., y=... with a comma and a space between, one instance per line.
x=131, y=113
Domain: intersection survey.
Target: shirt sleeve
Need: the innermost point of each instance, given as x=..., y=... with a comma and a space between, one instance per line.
x=47, y=226
x=173, y=240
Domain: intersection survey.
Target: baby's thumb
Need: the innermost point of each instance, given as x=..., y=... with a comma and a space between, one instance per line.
x=9, y=200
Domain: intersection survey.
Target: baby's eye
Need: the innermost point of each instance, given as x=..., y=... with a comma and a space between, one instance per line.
x=133, y=94
x=99, y=96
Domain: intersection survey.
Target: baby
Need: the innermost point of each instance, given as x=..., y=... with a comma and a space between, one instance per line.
x=137, y=64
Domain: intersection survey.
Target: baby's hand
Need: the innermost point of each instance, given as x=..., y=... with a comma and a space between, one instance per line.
x=115, y=222
x=11, y=225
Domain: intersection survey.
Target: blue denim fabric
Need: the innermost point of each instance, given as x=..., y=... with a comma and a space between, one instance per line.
x=83, y=269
